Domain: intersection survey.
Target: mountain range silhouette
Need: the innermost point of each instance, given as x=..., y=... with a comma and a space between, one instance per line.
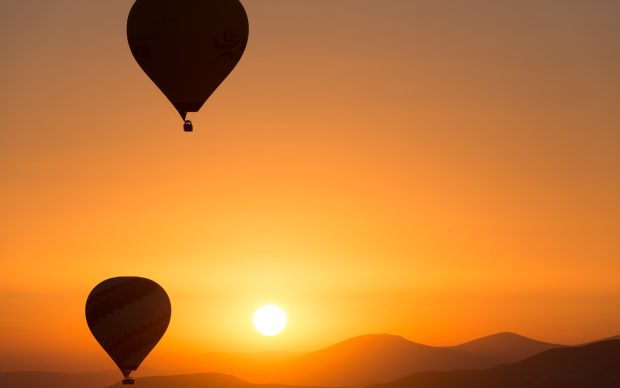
x=591, y=366
x=381, y=357
x=389, y=361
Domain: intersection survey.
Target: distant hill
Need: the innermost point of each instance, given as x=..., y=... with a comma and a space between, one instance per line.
x=591, y=366
x=617, y=337
x=613, y=338
x=202, y=380
x=505, y=348
x=357, y=361
x=381, y=357
x=363, y=360
x=57, y=380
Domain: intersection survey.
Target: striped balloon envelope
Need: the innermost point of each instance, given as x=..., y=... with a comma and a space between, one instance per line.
x=128, y=316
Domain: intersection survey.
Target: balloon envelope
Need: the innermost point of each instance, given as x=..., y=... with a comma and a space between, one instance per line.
x=128, y=316
x=187, y=47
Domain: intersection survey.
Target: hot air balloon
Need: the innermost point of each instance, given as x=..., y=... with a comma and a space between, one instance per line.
x=128, y=316
x=187, y=47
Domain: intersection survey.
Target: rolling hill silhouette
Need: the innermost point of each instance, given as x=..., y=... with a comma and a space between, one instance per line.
x=57, y=380
x=505, y=347
x=617, y=337
x=201, y=380
x=363, y=360
x=591, y=366
x=382, y=357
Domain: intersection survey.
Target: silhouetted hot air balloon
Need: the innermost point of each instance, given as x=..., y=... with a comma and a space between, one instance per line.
x=128, y=316
x=187, y=47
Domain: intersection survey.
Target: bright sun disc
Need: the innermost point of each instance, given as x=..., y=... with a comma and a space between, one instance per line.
x=269, y=320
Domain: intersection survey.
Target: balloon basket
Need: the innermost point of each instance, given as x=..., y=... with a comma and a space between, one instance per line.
x=128, y=381
x=187, y=126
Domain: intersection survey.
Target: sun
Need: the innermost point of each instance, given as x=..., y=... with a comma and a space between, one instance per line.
x=269, y=320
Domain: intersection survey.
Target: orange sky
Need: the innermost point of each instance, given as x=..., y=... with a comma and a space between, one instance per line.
x=440, y=171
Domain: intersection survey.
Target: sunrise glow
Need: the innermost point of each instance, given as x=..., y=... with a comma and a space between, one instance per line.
x=438, y=171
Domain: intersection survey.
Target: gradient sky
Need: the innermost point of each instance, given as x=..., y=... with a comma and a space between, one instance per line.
x=440, y=170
